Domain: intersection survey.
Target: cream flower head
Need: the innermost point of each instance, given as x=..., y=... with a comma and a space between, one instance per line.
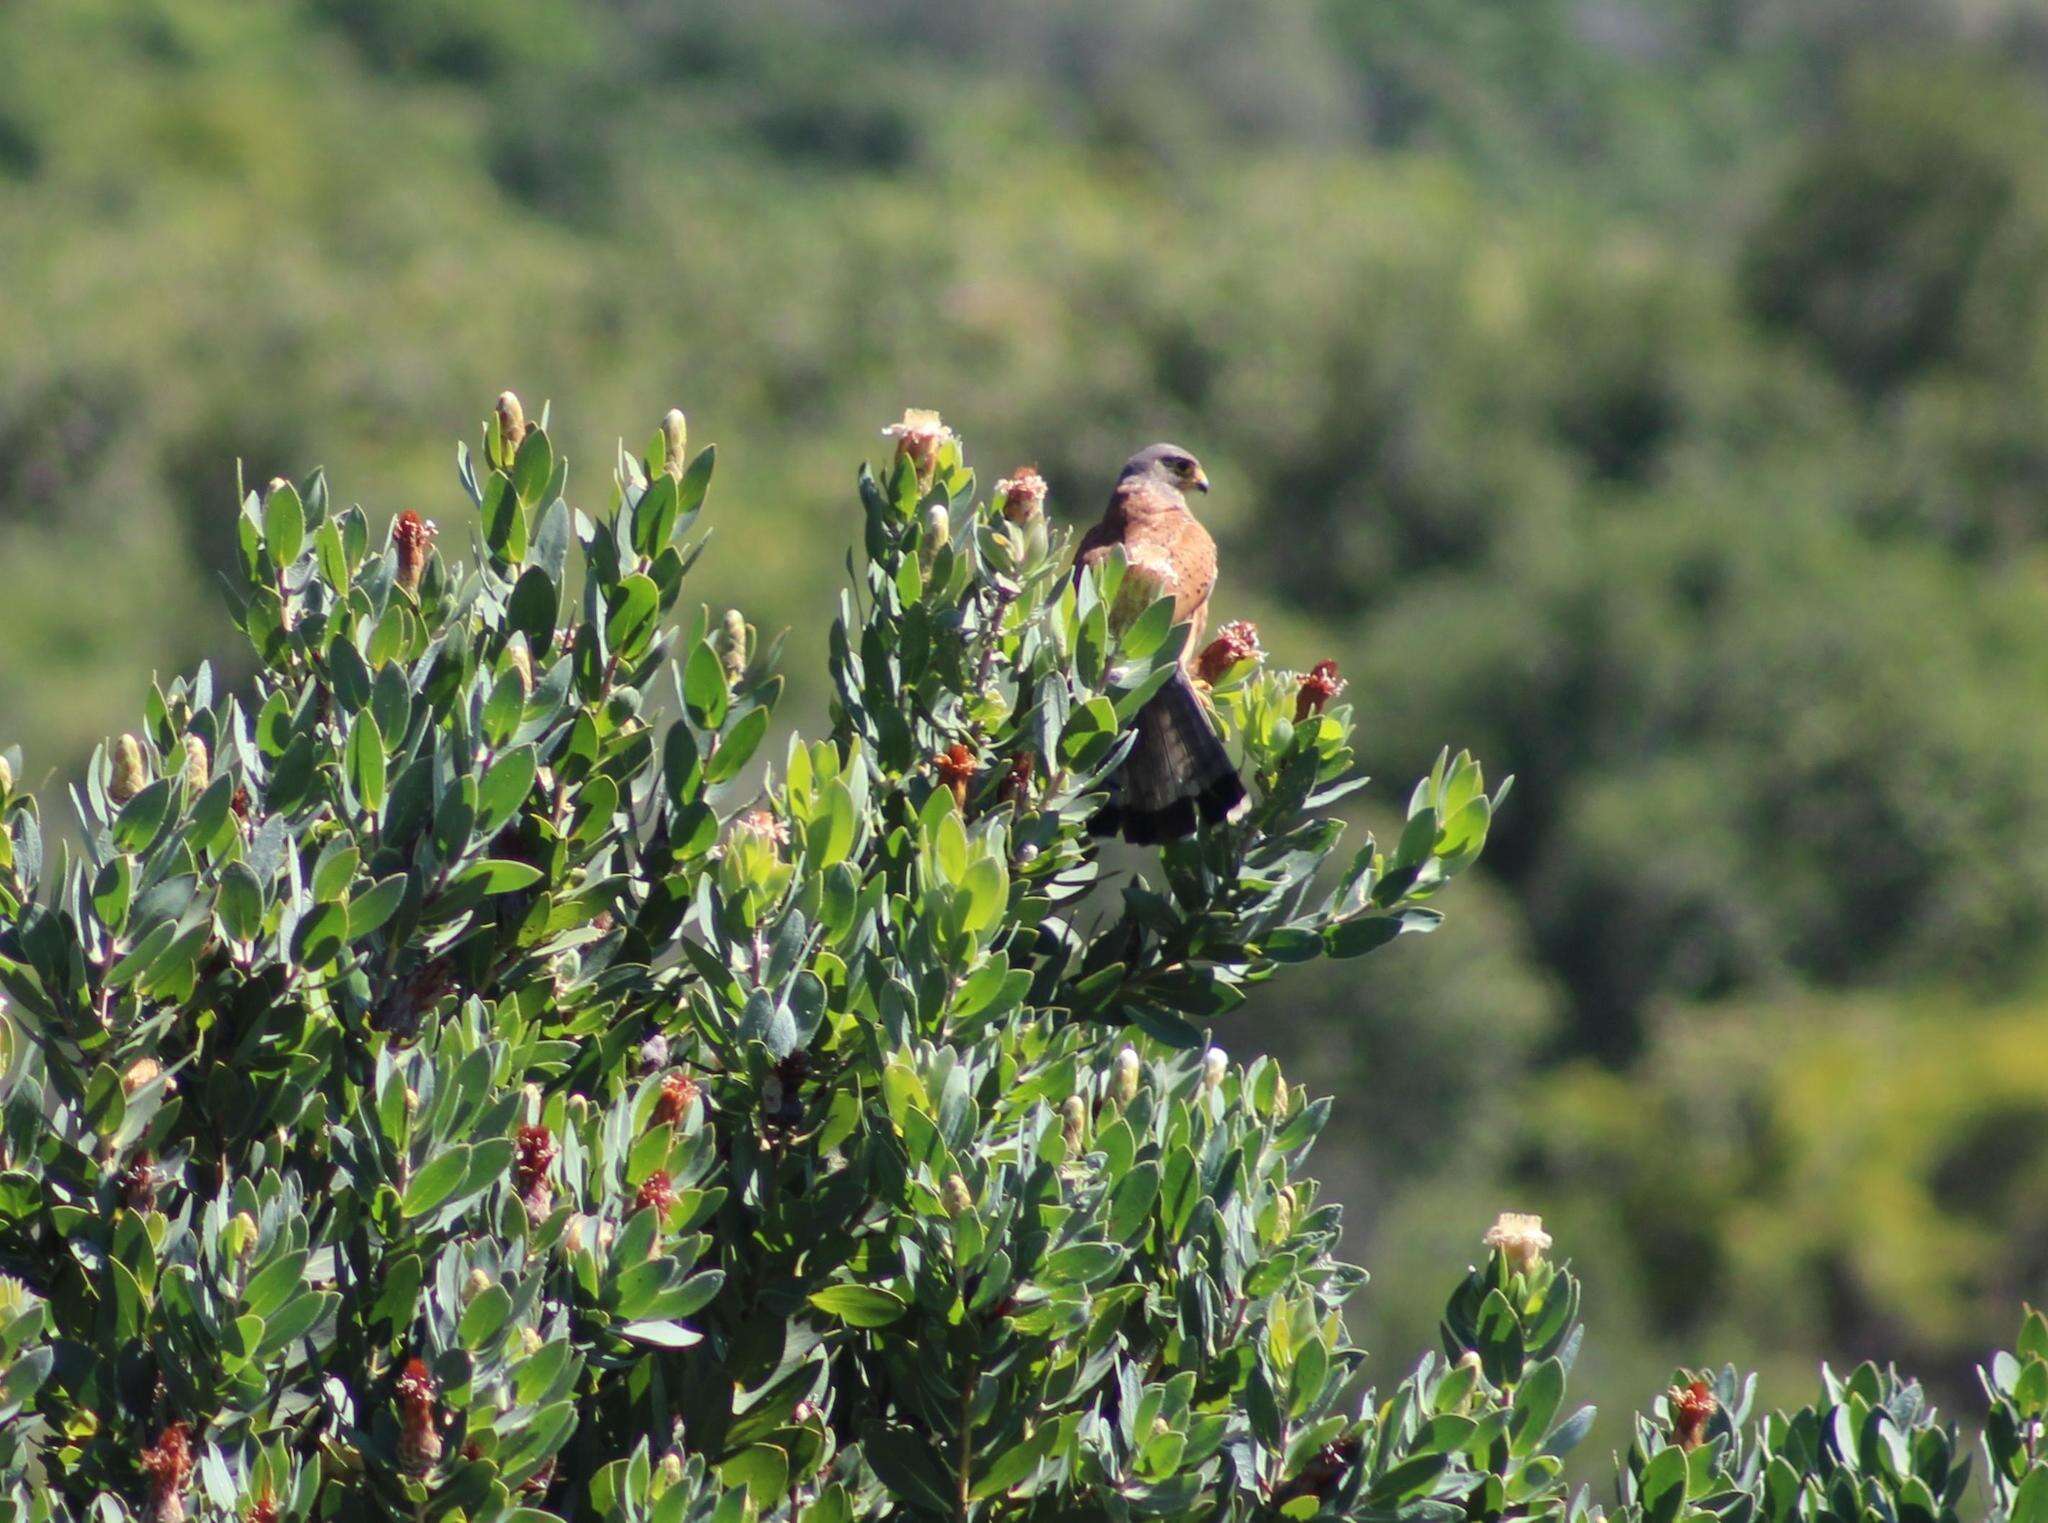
x=1520, y=1237
x=921, y=435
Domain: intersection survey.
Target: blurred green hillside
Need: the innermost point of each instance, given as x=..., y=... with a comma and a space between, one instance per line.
x=1651, y=395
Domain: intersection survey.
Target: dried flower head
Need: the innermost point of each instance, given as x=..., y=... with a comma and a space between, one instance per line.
x=1235, y=643
x=956, y=768
x=130, y=773
x=139, y=1182
x=678, y=1094
x=168, y=1465
x=1016, y=788
x=1692, y=1408
x=412, y=537
x=419, y=1439
x=675, y=442
x=534, y=1155
x=1317, y=689
x=198, y=765
x=1520, y=1237
x=1022, y=496
x=920, y=437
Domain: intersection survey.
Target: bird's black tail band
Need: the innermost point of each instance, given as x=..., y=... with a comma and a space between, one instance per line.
x=1178, y=775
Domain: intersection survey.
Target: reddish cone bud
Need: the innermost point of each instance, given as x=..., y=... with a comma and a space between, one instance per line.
x=535, y=1155
x=1022, y=496
x=678, y=1093
x=1316, y=690
x=957, y=768
x=419, y=1440
x=413, y=538
x=657, y=1192
x=168, y=1465
x=1235, y=642
x=1692, y=1407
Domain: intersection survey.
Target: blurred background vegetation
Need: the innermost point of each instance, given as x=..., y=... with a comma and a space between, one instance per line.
x=1648, y=394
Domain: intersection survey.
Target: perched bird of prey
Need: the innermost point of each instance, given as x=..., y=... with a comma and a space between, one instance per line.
x=1178, y=775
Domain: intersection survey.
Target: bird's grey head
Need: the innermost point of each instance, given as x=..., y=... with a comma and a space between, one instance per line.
x=1168, y=464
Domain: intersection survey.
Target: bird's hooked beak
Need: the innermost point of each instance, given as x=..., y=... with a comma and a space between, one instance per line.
x=1200, y=480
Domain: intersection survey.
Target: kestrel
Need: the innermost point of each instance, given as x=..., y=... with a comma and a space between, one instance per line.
x=1178, y=775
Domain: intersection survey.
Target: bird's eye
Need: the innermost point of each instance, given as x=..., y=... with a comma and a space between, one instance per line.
x=1181, y=465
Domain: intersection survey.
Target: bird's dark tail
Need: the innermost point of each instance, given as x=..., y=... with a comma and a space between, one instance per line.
x=1178, y=775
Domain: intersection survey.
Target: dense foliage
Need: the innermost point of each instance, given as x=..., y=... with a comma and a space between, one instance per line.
x=442, y=1087
x=1659, y=382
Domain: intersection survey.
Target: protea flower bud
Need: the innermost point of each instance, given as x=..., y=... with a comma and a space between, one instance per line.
x=956, y=768
x=139, y=1073
x=168, y=1466
x=1283, y=1218
x=6, y=778
x=412, y=1100
x=242, y=1235
x=678, y=1094
x=530, y=1340
x=1022, y=496
x=572, y=1235
x=1281, y=1097
x=534, y=1154
x=131, y=772
x=477, y=1283
x=511, y=425
x=1235, y=642
x=919, y=438
x=670, y=1470
x=1317, y=689
x=1520, y=1237
x=1215, y=1064
x=263, y=1509
x=1074, y=1123
x=675, y=443
x=419, y=1439
x=519, y=659
x=413, y=538
x=938, y=533
x=657, y=1192
x=958, y=1198
x=197, y=765
x=1692, y=1407
x=734, y=646
x=1127, y=1069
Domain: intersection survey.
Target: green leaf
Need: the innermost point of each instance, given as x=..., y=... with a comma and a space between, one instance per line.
x=321, y=935
x=141, y=817
x=364, y=758
x=859, y=1305
x=374, y=905
x=484, y=1318
x=630, y=615
x=1080, y=1263
x=284, y=524
x=440, y=1178
x=737, y=747
x=696, y=480
x=704, y=691
x=240, y=902
x=498, y=875
x=335, y=871
x=504, y=789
